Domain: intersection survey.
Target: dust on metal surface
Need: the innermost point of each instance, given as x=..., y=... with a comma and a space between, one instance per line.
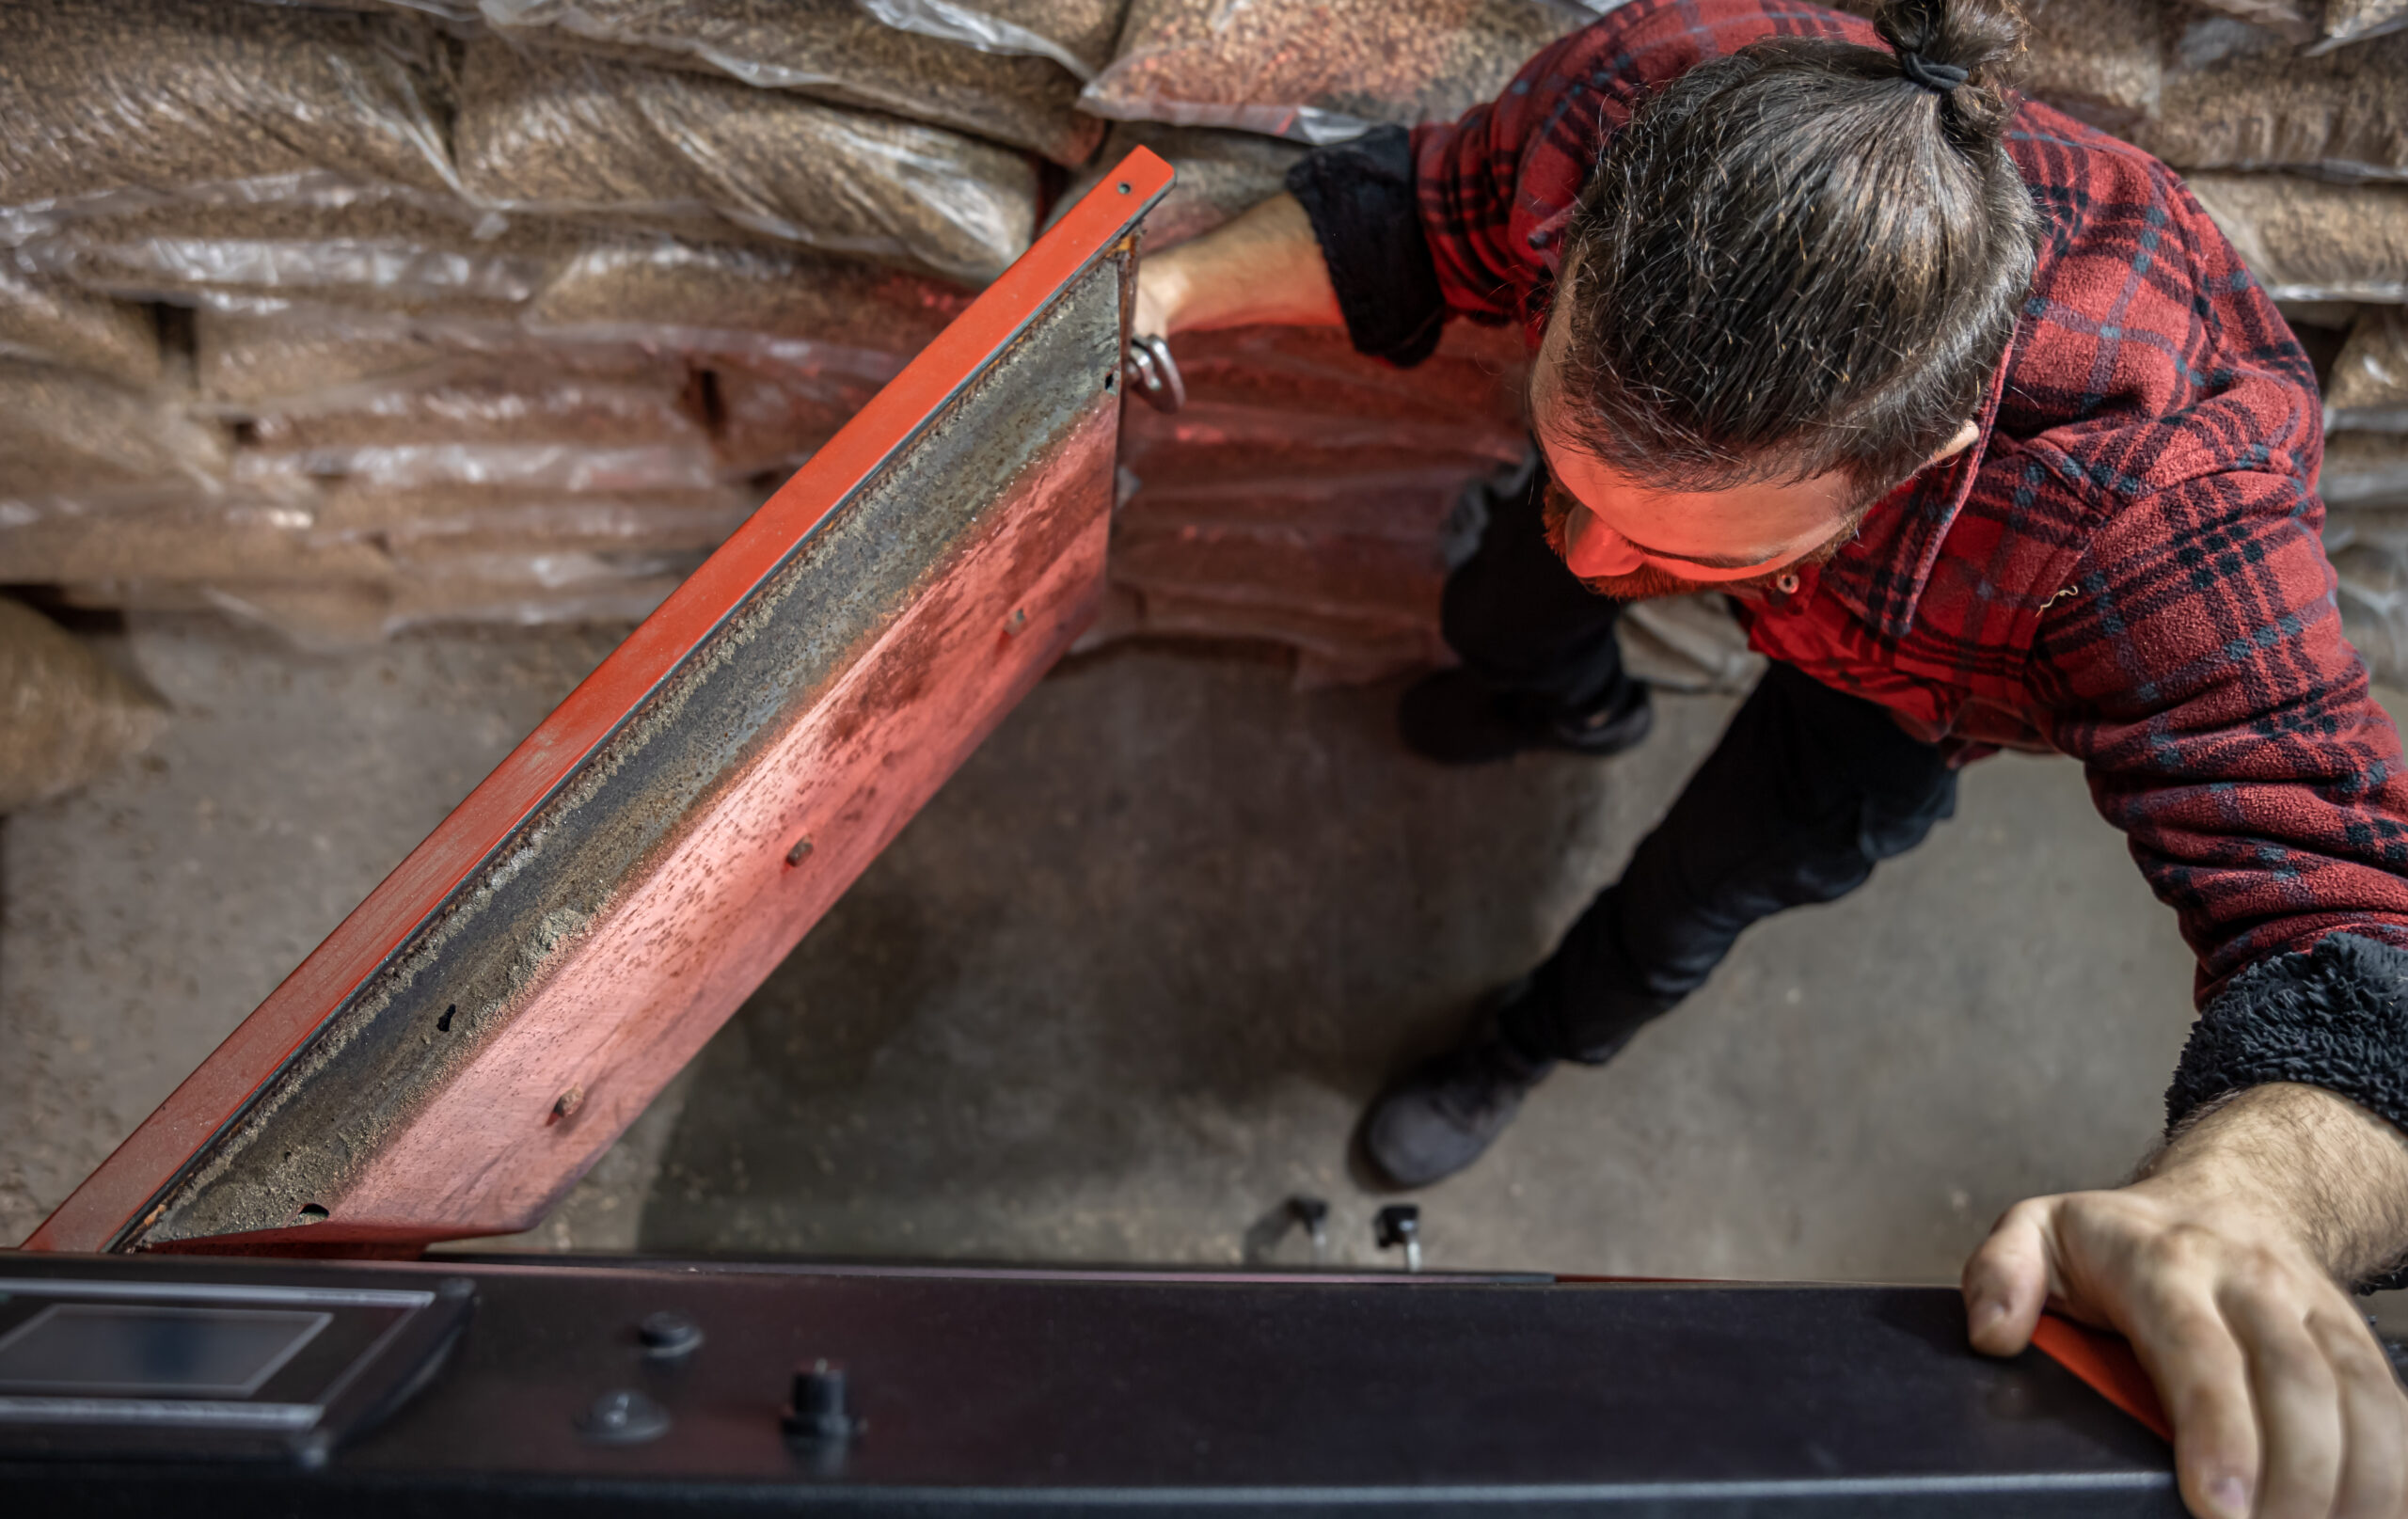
x=486, y=1024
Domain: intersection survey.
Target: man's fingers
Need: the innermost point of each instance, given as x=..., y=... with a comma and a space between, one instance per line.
x=2374, y=1420
x=2298, y=1397
x=2008, y=1281
x=2202, y=1378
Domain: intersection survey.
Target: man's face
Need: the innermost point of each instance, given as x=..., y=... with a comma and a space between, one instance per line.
x=1630, y=540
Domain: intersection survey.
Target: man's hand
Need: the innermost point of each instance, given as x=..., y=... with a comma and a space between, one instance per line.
x=1264, y=266
x=2224, y=1265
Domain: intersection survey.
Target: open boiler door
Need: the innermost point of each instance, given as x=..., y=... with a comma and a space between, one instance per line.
x=482, y=1027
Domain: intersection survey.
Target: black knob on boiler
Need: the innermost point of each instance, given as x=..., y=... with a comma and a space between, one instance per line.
x=819, y=1413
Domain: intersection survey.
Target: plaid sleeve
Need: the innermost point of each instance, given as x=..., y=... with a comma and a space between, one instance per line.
x=2198, y=670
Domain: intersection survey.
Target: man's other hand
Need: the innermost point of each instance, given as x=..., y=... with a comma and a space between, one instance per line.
x=2224, y=1265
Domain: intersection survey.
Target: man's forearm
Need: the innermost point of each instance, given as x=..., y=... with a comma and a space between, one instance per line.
x=1265, y=267
x=2338, y=1172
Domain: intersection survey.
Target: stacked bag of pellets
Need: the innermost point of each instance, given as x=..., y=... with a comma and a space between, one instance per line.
x=2289, y=120
x=365, y=315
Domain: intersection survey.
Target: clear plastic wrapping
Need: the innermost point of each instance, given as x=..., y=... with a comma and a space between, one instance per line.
x=109, y=99
x=255, y=351
x=832, y=49
x=664, y=519
x=1318, y=70
x=2369, y=386
x=533, y=465
x=2308, y=240
x=372, y=248
x=64, y=716
x=179, y=539
x=2340, y=115
x=1076, y=34
x=2348, y=21
x=773, y=306
x=1212, y=443
x=558, y=133
x=51, y=321
x=63, y=429
x=470, y=404
x=2294, y=20
x=1221, y=175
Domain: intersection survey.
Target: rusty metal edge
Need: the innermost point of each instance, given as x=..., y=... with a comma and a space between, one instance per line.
x=120, y=1195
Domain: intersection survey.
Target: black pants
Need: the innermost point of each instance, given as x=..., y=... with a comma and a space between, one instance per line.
x=1808, y=787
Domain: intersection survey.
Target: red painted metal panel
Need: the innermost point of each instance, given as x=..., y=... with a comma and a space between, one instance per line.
x=714, y=909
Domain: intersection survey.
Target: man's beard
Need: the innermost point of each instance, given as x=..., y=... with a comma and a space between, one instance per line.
x=1648, y=582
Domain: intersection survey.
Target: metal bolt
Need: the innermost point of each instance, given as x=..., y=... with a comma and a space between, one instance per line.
x=801, y=848
x=666, y=1334
x=1400, y=1223
x=568, y=1102
x=1313, y=1214
x=818, y=1412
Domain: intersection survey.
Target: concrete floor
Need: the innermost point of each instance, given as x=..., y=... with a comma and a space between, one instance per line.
x=1120, y=991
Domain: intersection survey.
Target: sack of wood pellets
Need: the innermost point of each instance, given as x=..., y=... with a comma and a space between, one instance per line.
x=832, y=49
x=2354, y=20
x=529, y=466
x=1209, y=443
x=50, y=322
x=186, y=539
x=768, y=419
x=252, y=351
x=64, y=716
x=1318, y=70
x=466, y=406
x=1474, y=379
x=2341, y=114
x=662, y=518
x=2306, y=240
x=1076, y=34
x=2369, y=386
x=2365, y=470
x=373, y=250
x=555, y=133
x=776, y=305
x=1220, y=176
x=69, y=431
x=111, y=98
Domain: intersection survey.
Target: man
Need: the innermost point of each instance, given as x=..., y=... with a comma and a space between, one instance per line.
x=1994, y=443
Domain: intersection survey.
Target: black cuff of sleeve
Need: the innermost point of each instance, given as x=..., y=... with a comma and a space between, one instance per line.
x=1360, y=196
x=2334, y=1017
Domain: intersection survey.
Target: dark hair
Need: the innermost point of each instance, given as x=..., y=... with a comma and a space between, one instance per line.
x=1797, y=259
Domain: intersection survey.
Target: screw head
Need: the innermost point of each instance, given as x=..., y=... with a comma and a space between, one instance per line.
x=568, y=1102
x=800, y=852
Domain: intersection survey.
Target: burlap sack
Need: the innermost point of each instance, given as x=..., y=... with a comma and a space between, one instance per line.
x=64, y=716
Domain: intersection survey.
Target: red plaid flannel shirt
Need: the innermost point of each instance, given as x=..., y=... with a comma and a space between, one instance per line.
x=2127, y=568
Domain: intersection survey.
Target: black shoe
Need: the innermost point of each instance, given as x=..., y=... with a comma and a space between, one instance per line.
x=1445, y=1113
x=1455, y=718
